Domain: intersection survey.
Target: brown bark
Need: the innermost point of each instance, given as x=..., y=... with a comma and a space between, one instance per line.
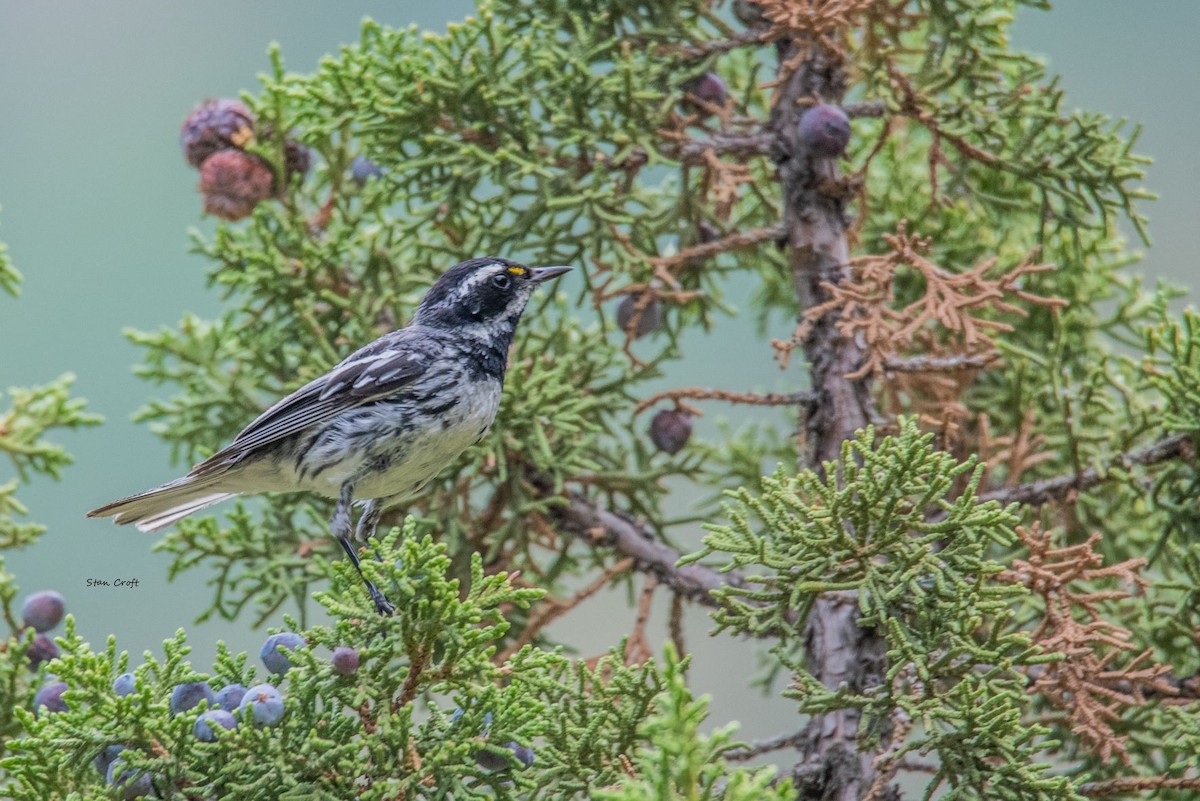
x=837, y=650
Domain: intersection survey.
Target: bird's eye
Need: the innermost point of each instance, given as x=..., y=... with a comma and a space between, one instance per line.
x=501, y=280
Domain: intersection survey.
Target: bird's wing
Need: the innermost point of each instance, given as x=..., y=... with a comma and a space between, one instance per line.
x=376, y=371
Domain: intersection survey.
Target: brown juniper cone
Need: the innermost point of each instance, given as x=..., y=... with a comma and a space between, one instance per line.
x=709, y=89
x=649, y=322
x=670, y=430
x=296, y=158
x=707, y=232
x=825, y=131
x=216, y=124
x=233, y=183
x=749, y=14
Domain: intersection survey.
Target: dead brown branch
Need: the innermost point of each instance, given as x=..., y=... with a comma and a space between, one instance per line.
x=1098, y=653
x=960, y=307
x=867, y=108
x=734, y=241
x=637, y=648
x=737, y=146
x=714, y=46
x=941, y=364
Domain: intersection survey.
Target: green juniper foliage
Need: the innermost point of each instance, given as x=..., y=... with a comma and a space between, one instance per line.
x=927, y=585
x=363, y=735
x=992, y=646
x=681, y=762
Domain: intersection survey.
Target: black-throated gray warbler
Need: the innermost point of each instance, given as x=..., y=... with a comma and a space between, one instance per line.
x=380, y=424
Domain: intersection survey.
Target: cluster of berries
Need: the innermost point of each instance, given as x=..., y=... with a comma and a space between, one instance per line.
x=42, y=611
x=215, y=138
x=261, y=704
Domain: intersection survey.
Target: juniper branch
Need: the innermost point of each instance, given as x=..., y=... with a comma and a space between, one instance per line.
x=1036, y=493
x=765, y=746
x=868, y=108
x=803, y=398
x=923, y=364
x=601, y=527
x=743, y=146
x=1137, y=784
x=734, y=241
x=746, y=38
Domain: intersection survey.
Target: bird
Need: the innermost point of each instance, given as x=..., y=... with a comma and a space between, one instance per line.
x=381, y=423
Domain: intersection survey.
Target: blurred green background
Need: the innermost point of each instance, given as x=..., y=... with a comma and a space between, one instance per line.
x=97, y=201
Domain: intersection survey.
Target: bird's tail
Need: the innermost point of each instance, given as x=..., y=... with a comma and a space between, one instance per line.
x=160, y=507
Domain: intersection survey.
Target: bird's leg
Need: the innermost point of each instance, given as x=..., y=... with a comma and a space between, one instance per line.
x=369, y=521
x=339, y=526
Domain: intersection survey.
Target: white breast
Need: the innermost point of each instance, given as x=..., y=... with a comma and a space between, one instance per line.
x=431, y=450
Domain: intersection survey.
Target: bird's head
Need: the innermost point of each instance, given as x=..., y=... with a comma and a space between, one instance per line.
x=487, y=292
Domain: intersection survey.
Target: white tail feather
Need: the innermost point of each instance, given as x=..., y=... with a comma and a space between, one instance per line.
x=169, y=516
x=160, y=507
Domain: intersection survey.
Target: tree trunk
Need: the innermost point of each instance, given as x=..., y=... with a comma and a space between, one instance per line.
x=837, y=651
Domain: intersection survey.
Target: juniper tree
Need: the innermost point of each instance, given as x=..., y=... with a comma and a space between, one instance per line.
x=974, y=561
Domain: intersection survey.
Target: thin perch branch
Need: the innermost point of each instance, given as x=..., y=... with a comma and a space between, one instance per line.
x=553, y=609
x=752, y=36
x=868, y=108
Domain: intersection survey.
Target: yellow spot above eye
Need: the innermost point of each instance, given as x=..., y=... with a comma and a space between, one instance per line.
x=517, y=270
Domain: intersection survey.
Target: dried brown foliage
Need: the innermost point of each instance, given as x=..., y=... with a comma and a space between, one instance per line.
x=824, y=26
x=721, y=183
x=1014, y=453
x=954, y=315
x=815, y=19
x=1099, y=676
x=637, y=648
x=663, y=284
x=935, y=396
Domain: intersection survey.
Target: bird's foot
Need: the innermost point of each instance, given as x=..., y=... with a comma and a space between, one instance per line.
x=382, y=605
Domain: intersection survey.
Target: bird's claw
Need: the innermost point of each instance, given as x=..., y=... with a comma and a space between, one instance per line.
x=382, y=605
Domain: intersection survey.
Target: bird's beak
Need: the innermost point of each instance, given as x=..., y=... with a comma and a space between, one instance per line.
x=540, y=274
